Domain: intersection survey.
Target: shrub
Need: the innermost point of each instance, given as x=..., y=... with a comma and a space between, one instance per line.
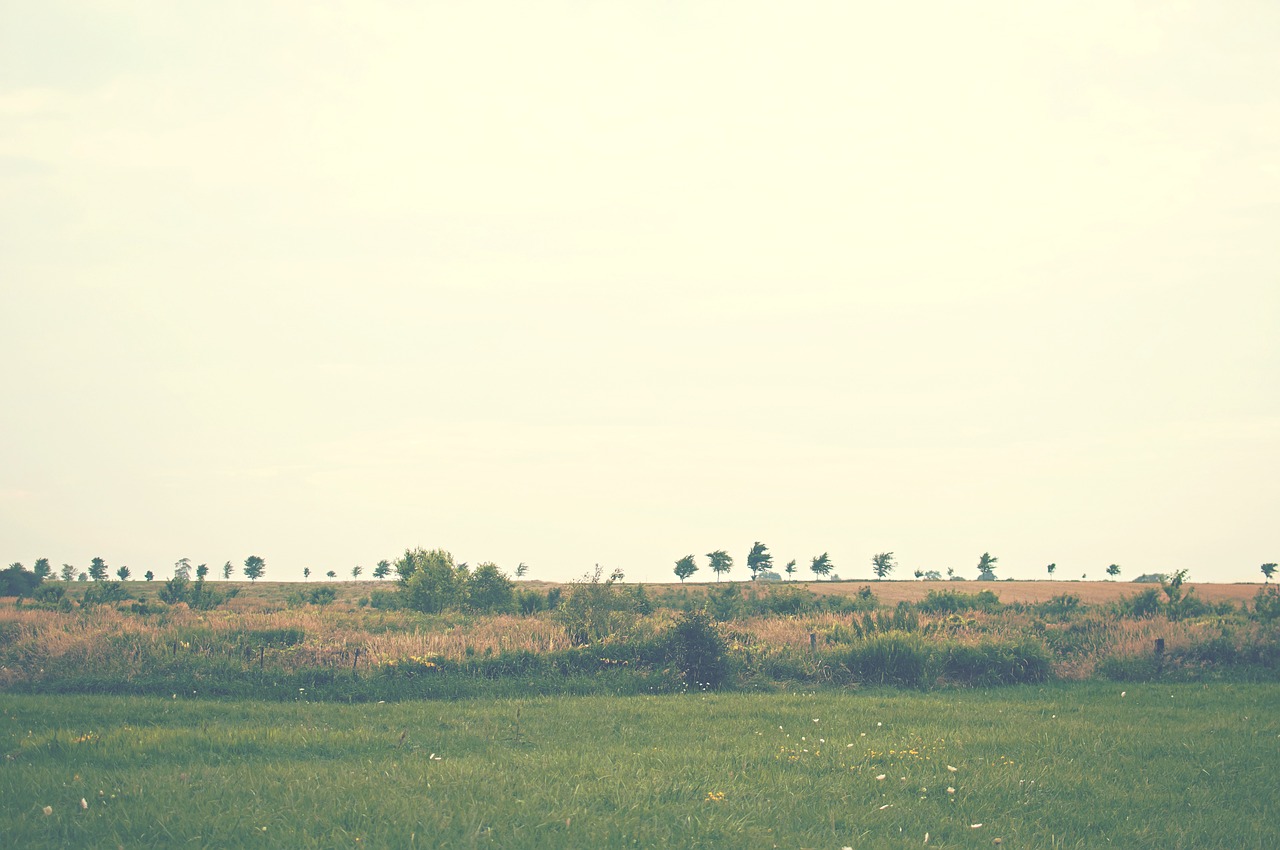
x=596, y=609
x=954, y=601
x=698, y=650
x=894, y=658
x=997, y=662
x=1266, y=604
x=384, y=600
x=102, y=592
x=1061, y=605
x=1142, y=605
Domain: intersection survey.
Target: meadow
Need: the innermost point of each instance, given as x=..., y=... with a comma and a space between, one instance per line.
x=1075, y=765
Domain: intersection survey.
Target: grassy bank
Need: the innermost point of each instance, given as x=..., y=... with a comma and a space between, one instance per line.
x=1064, y=765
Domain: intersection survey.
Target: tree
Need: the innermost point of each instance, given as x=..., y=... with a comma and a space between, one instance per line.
x=1052, y=568
x=68, y=572
x=306, y=573
x=83, y=576
x=17, y=580
x=488, y=589
x=182, y=568
x=1113, y=571
x=227, y=570
x=821, y=565
x=685, y=567
x=149, y=576
x=522, y=570
x=790, y=568
x=882, y=564
x=202, y=572
x=1268, y=570
x=332, y=574
x=721, y=562
x=382, y=570
x=254, y=567
x=355, y=572
x=987, y=567
x=123, y=572
x=932, y=575
x=42, y=569
x=758, y=559
x=98, y=569
x=431, y=580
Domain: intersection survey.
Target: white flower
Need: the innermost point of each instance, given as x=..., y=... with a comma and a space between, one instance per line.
x=1122, y=693
x=950, y=790
x=885, y=806
x=879, y=724
x=975, y=826
x=48, y=810
x=952, y=769
x=880, y=778
x=84, y=804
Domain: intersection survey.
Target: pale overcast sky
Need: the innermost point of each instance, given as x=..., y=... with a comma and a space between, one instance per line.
x=581, y=282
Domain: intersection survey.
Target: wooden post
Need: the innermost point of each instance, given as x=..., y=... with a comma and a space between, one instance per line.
x=813, y=642
x=1159, y=655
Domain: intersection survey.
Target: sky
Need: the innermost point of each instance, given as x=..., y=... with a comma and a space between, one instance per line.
x=588, y=283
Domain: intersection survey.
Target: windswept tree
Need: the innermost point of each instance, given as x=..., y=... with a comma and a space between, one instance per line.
x=332, y=574
x=987, y=567
x=254, y=567
x=1113, y=571
x=68, y=572
x=758, y=559
x=227, y=570
x=182, y=568
x=306, y=574
x=522, y=569
x=1268, y=570
x=685, y=567
x=202, y=572
x=882, y=564
x=149, y=576
x=919, y=574
x=382, y=570
x=355, y=572
x=123, y=572
x=98, y=569
x=1052, y=568
x=42, y=569
x=821, y=565
x=790, y=568
x=721, y=562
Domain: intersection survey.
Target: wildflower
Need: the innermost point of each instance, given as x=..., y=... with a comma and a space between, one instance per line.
x=950, y=790
x=880, y=778
x=975, y=826
x=1122, y=693
x=84, y=804
x=879, y=724
x=952, y=769
x=885, y=806
x=926, y=838
x=48, y=810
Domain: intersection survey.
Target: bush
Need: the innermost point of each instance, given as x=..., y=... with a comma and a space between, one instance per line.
x=894, y=658
x=997, y=662
x=954, y=601
x=1062, y=605
x=101, y=592
x=1266, y=604
x=1142, y=605
x=698, y=650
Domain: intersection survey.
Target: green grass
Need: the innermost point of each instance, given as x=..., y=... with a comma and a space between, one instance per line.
x=1167, y=766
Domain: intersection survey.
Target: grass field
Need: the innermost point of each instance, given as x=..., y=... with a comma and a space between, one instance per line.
x=1064, y=765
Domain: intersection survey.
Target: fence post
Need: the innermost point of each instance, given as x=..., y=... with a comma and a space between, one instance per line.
x=813, y=642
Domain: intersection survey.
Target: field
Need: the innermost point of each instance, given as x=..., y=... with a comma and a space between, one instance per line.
x=1064, y=765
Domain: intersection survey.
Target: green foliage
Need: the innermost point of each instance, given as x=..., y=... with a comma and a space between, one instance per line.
x=1268, y=571
x=320, y=595
x=1266, y=604
x=882, y=564
x=17, y=580
x=821, y=565
x=699, y=651
x=197, y=595
x=102, y=592
x=1113, y=570
x=685, y=567
x=721, y=562
x=254, y=567
x=893, y=658
x=1062, y=605
x=758, y=559
x=431, y=581
x=953, y=601
x=489, y=590
x=595, y=609
x=98, y=569
x=1147, y=603
x=993, y=661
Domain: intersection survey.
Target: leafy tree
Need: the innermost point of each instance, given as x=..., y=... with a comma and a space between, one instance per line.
x=42, y=569
x=148, y=575
x=790, y=568
x=919, y=574
x=1052, y=568
x=123, y=572
x=685, y=567
x=382, y=570
x=488, y=589
x=227, y=570
x=522, y=570
x=721, y=562
x=254, y=567
x=758, y=559
x=932, y=575
x=987, y=567
x=98, y=569
x=1268, y=570
x=882, y=564
x=431, y=580
x=83, y=576
x=821, y=565
x=17, y=580
x=68, y=572
x=355, y=572
x=1113, y=571
x=183, y=568
x=202, y=572
x=332, y=574
x=306, y=573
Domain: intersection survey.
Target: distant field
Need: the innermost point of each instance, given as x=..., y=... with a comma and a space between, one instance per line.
x=1059, y=766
